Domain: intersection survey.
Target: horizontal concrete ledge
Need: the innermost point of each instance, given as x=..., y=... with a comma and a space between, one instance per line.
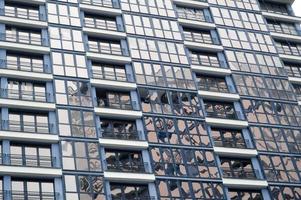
x=299, y=103
x=104, y=33
x=290, y=58
x=23, y=22
x=129, y=177
x=283, y=36
x=115, y=59
x=118, y=113
x=219, y=96
x=116, y=85
x=123, y=144
x=100, y=10
x=32, y=105
x=226, y=123
x=196, y=24
x=30, y=137
x=211, y=70
x=30, y=171
x=245, y=183
x=40, y=2
x=294, y=79
x=203, y=46
x=235, y=152
x=25, y=47
x=191, y=3
x=26, y=75
x=281, y=17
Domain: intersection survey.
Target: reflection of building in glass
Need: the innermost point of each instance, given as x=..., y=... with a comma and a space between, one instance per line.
x=150, y=100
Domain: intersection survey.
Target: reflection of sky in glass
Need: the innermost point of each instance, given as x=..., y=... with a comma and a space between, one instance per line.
x=297, y=7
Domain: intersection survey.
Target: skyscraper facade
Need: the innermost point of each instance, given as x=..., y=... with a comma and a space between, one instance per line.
x=150, y=100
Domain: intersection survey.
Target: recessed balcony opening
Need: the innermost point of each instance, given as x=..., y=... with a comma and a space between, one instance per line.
x=100, y=22
x=229, y=138
x=222, y=110
x=279, y=8
x=30, y=156
x=101, y=3
x=293, y=69
x=110, y=72
x=24, y=62
x=191, y=14
x=199, y=36
x=112, y=47
x=205, y=59
x=213, y=84
x=23, y=36
x=26, y=91
x=114, y=100
x=288, y=48
x=125, y=161
x=282, y=27
x=119, y=129
x=31, y=122
x=238, y=169
x=32, y=189
x=21, y=10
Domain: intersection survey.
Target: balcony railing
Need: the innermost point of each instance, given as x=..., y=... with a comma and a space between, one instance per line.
x=241, y=173
x=102, y=24
x=23, y=14
x=196, y=60
x=25, y=66
x=198, y=15
x=235, y=115
x=214, y=88
x=231, y=143
x=199, y=37
x=283, y=28
x=107, y=133
x=25, y=95
x=32, y=40
x=123, y=105
x=130, y=167
x=31, y=160
x=26, y=126
x=102, y=3
x=31, y=195
x=107, y=49
x=102, y=74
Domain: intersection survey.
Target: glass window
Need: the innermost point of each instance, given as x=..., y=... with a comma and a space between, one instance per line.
x=63, y=14
x=176, y=131
x=80, y=156
x=32, y=189
x=88, y=187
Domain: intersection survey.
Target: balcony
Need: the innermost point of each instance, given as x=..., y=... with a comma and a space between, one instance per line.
x=131, y=198
x=129, y=172
x=104, y=27
x=237, y=149
x=20, y=16
x=234, y=119
x=122, y=140
x=194, y=18
x=192, y=3
x=32, y=44
x=106, y=7
x=243, y=179
x=119, y=110
x=28, y=131
x=25, y=70
x=112, y=77
x=208, y=64
x=23, y=99
x=289, y=51
x=107, y=51
x=201, y=41
x=284, y=31
x=277, y=11
x=211, y=91
x=29, y=195
x=29, y=165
